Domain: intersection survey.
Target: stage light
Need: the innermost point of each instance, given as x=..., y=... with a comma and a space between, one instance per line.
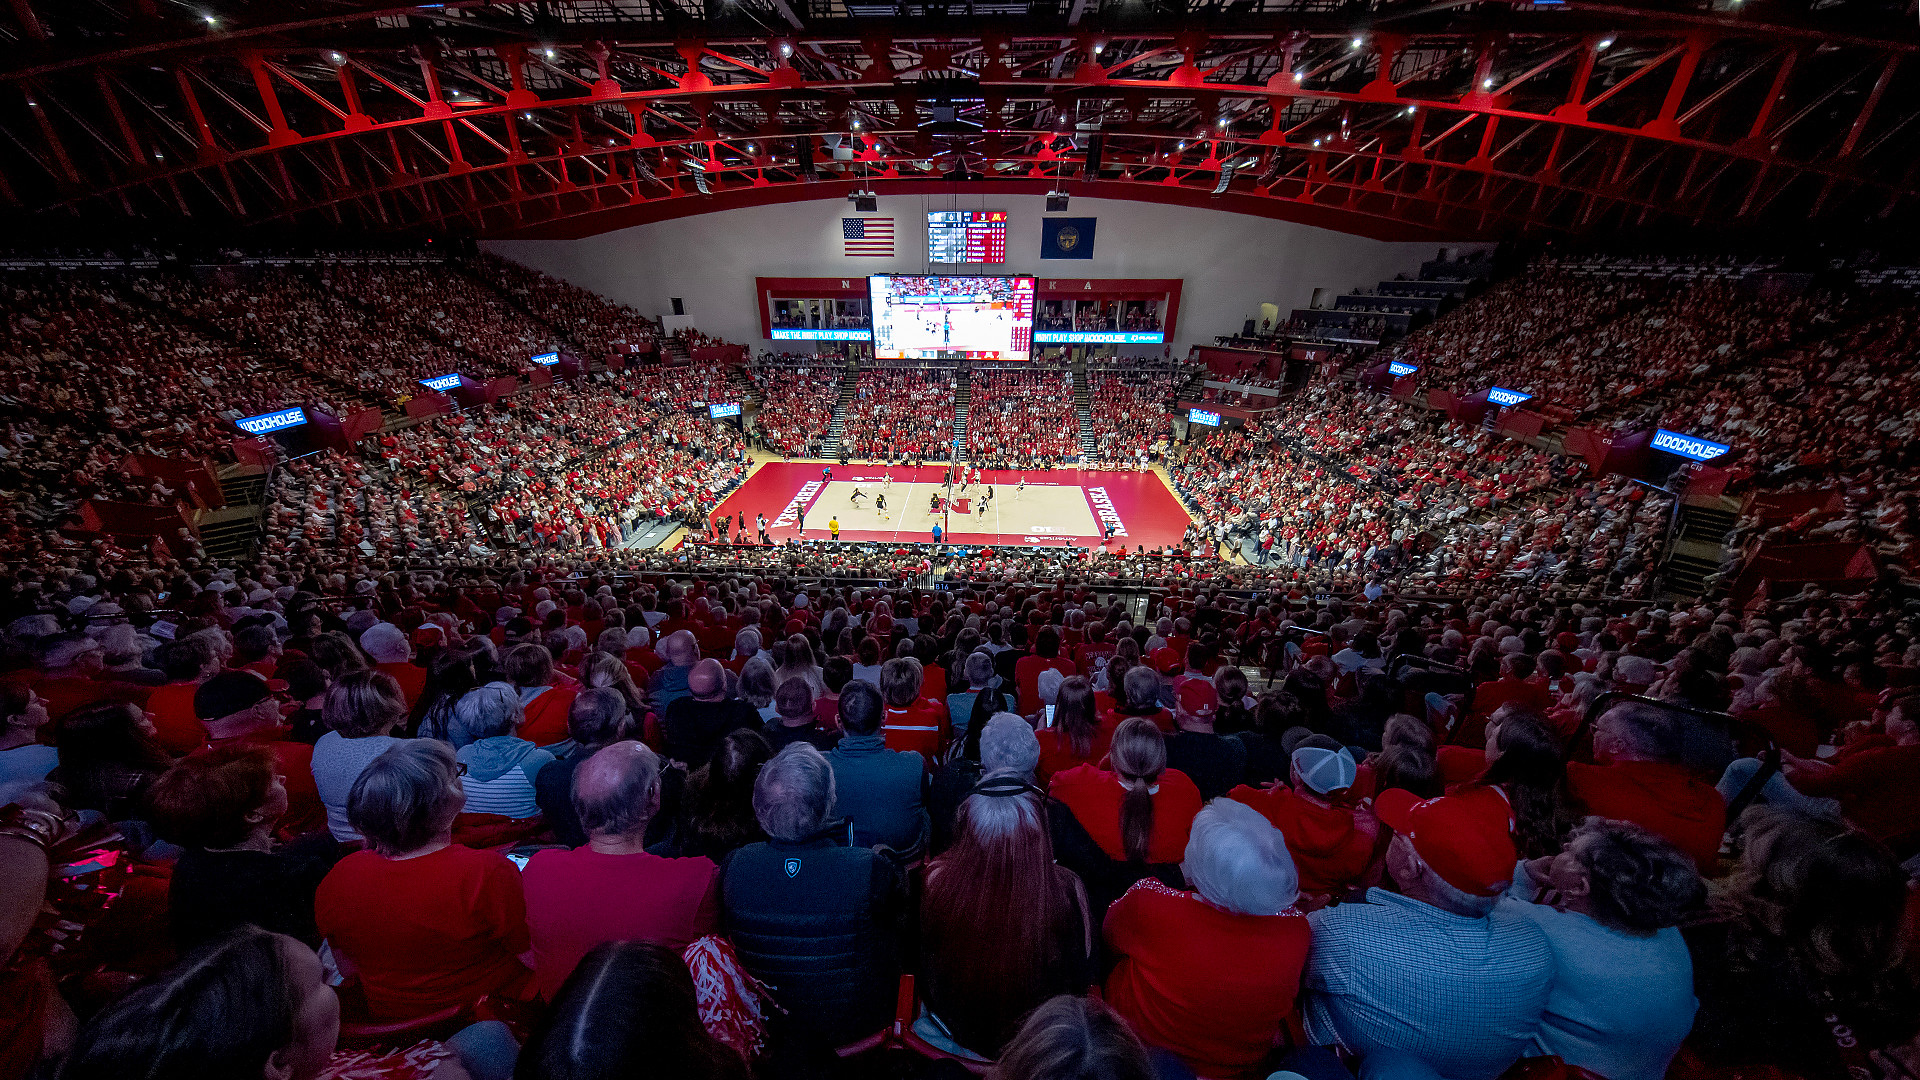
x=211, y=20
x=786, y=49
x=1486, y=84
x=1604, y=42
x=1411, y=109
x=549, y=54
x=1098, y=48
x=1357, y=42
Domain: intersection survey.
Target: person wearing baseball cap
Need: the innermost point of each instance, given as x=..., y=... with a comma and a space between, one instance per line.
x=1214, y=762
x=1331, y=839
x=1439, y=978
x=238, y=707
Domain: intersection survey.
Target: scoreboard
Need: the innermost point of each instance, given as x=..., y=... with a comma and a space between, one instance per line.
x=967, y=236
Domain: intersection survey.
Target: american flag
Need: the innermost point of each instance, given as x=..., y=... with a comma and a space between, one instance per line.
x=867, y=238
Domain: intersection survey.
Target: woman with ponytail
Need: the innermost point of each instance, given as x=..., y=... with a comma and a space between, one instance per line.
x=1136, y=809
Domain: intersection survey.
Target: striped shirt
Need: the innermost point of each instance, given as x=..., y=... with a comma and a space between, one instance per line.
x=1463, y=995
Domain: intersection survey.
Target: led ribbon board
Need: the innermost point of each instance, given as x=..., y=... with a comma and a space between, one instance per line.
x=1202, y=416
x=547, y=359
x=1400, y=369
x=723, y=409
x=1691, y=447
x=804, y=334
x=442, y=382
x=1503, y=397
x=1099, y=337
x=269, y=422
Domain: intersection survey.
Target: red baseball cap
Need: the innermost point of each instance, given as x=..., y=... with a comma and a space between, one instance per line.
x=1166, y=661
x=1468, y=840
x=1198, y=698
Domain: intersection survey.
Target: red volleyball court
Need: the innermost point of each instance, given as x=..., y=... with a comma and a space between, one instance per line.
x=1056, y=507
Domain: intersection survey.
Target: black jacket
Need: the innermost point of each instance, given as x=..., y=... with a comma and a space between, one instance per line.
x=818, y=922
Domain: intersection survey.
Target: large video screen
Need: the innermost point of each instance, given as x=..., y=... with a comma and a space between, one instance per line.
x=951, y=318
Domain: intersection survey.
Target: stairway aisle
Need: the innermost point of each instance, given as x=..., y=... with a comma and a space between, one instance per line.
x=1699, y=545
x=849, y=376
x=962, y=397
x=1083, y=408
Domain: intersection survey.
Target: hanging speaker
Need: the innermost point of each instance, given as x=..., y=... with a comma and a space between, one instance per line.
x=1056, y=204
x=1095, y=147
x=865, y=204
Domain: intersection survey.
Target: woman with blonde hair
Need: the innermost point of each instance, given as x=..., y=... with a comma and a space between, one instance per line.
x=800, y=665
x=606, y=670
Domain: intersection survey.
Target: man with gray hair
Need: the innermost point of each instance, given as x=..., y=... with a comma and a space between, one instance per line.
x=813, y=918
x=1646, y=779
x=680, y=650
x=1438, y=979
x=610, y=889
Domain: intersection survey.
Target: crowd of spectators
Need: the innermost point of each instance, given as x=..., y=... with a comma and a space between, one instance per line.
x=1132, y=412
x=455, y=310
x=899, y=414
x=1021, y=417
x=285, y=312
x=596, y=325
x=796, y=405
x=720, y=787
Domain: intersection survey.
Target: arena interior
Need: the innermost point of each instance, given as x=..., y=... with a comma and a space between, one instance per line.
x=1037, y=539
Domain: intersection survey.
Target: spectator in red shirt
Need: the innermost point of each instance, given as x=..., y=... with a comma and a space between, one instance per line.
x=425, y=923
x=256, y=648
x=1140, y=696
x=1869, y=783
x=1516, y=684
x=1139, y=811
x=392, y=653
x=74, y=676
x=611, y=889
x=1026, y=672
x=236, y=707
x=1331, y=840
x=1211, y=973
x=1077, y=736
x=911, y=722
x=1643, y=781
x=186, y=662
x=530, y=667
